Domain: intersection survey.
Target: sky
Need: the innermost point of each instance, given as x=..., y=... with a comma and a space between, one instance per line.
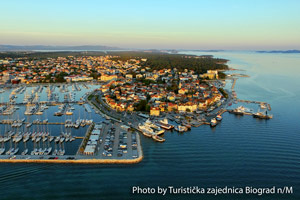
x=160, y=24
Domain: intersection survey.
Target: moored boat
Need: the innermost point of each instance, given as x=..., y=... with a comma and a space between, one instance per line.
x=219, y=118
x=158, y=138
x=213, y=122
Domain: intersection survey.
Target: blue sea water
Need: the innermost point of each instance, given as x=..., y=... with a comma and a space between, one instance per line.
x=240, y=151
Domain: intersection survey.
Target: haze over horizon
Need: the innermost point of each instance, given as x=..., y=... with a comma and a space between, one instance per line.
x=216, y=24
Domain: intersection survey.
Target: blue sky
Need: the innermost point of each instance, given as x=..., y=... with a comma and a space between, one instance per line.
x=188, y=24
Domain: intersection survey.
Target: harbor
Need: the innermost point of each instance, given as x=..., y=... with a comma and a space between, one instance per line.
x=51, y=124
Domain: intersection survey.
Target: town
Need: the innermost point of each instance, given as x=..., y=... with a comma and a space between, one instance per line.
x=132, y=94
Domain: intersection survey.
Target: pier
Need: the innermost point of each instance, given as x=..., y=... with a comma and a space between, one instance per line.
x=233, y=83
x=256, y=102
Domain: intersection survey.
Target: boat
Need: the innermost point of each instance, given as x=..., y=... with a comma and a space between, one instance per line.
x=9, y=151
x=69, y=112
x=213, y=122
x=45, y=138
x=165, y=124
x=15, y=151
x=263, y=106
x=34, y=152
x=61, y=152
x=38, y=139
x=180, y=128
x=51, y=138
x=57, y=139
x=58, y=114
x=262, y=115
x=28, y=125
x=158, y=139
x=24, y=152
x=147, y=131
x=219, y=118
x=238, y=111
x=155, y=129
x=47, y=151
x=62, y=139
x=55, y=152
x=2, y=150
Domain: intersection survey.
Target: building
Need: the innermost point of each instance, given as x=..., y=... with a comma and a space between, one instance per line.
x=154, y=111
x=211, y=74
x=108, y=77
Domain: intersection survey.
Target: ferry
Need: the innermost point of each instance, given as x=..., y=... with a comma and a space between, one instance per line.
x=158, y=139
x=219, y=117
x=213, y=122
x=165, y=124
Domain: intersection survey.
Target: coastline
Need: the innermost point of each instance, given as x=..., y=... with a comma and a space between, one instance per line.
x=81, y=161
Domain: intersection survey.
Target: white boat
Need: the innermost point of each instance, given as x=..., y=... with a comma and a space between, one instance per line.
x=9, y=151
x=24, y=152
x=2, y=150
x=213, y=122
x=37, y=139
x=48, y=151
x=164, y=123
x=69, y=112
x=57, y=139
x=15, y=151
x=180, y=128
x=158, y=139
x=55, y=152
x=219, y=118
x=28, y=125
x=51, y=138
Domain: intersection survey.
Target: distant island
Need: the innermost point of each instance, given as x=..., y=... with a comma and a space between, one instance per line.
x=280, y=51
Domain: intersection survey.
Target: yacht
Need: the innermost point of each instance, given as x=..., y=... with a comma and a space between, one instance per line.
x=213, y=122
x=2, y=150
x=164, y=123
x=219, y=117
x=28, y=125
x=158, y=139
x=181, y=128
x=24, y=152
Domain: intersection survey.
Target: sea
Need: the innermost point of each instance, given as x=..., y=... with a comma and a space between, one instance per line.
x=239, y=152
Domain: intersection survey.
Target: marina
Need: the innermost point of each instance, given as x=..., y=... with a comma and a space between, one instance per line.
x=39, y=124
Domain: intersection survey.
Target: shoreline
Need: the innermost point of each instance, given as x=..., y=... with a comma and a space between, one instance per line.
x=80, y=161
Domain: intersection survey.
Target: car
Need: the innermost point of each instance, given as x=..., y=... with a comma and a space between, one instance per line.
x=70, y=158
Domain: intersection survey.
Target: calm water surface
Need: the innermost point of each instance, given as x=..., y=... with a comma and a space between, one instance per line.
x=239, y=152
